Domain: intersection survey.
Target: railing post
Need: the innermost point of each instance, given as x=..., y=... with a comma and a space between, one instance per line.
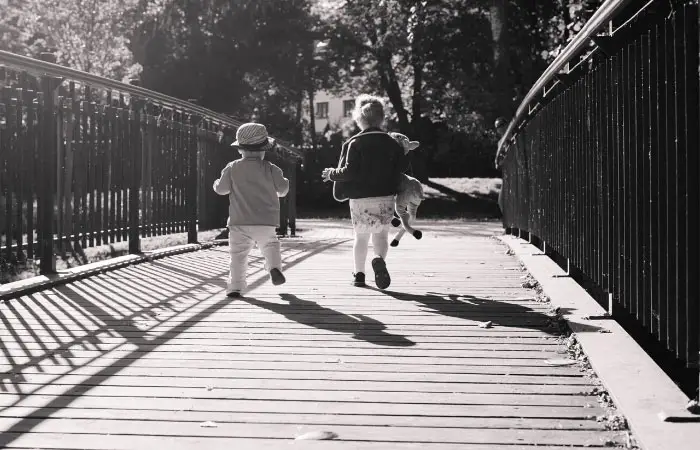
x=192, y=178
x=135, y=186
x=292, y=198
x=48, y=167
x=284, y=211
x=202, y=163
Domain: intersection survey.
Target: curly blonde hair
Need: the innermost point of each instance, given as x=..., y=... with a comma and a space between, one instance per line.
x=369, y=111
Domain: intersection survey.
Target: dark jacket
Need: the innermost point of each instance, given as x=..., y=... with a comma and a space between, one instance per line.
x=369, y=166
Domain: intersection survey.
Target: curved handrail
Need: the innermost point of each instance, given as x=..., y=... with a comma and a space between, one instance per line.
x=600, y=18
x=56, y=70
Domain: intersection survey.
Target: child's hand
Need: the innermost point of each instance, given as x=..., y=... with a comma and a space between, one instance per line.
x=326, y=174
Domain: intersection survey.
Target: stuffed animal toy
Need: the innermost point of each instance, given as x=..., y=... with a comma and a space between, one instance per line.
x=409, y=197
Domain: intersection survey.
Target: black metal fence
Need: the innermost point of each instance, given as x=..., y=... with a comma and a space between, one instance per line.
x=604, y=170
x=86, y=161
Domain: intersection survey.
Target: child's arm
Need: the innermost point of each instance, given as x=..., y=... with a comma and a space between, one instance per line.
x=281, y=183
x=222, y=186
x=349, y=170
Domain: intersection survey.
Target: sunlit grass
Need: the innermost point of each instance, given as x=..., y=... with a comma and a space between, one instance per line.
x=71, y=257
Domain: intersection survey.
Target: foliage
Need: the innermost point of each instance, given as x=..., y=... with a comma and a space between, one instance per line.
x=448, y=67
x=246, y=58
x=88, y=35
x=446, y=60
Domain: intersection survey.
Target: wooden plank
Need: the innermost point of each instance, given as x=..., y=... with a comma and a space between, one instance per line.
x=29, y=342
x=326, y=419
x=289, y=431
x=57, y=441
x=41, y=401
x=287, y=337
x=30, y=383
x=205, y=352
x=255, y=329
x=86, y=357
x=397, y=398
x=321, y=366
x=130, y=358
x=469, y=335
x=207, y=376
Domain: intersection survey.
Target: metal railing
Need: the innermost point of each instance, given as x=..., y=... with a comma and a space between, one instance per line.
x=88, y=161
x=602, y=167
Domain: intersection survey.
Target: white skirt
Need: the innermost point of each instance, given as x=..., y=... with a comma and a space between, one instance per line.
x=372, y=214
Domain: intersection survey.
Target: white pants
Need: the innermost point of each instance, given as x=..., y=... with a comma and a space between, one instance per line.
x=241, y=240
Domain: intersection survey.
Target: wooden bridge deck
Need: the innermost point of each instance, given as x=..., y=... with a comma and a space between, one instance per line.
x=155, y=356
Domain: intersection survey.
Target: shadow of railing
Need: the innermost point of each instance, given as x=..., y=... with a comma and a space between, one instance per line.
x=500, y=314
x=103, y=324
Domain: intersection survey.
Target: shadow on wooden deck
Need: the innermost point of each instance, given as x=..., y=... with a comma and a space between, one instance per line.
x=155, y=356
x=49, y=327
x=309, y=313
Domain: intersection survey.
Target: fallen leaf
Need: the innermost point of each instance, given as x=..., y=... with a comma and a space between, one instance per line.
x=317, y=436
x=209, y=424
x=560, y=362
x=485, y=324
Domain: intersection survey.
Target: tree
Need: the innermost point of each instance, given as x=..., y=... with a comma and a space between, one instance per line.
x=88, y=35
x=423, y=55
x=449, y=60
x=235, y=57
x=9, y=29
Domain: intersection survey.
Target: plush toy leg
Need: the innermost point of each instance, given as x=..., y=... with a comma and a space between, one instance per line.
x=397, y=238
x=407, y=215
x=412, y=212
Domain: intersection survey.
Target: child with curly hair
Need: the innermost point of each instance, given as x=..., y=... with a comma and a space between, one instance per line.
x=368, y=175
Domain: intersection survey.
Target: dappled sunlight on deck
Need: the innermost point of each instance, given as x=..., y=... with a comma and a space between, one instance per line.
x=154, y=355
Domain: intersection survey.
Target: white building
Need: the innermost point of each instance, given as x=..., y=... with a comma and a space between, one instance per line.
x=332, y=110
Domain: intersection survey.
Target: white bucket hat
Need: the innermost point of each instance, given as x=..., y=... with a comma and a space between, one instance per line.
x=253, y=137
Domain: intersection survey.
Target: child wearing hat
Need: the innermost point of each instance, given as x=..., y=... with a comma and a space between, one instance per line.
x=253, y=186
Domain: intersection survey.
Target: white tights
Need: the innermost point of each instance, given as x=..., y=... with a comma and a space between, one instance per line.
x=380, y=244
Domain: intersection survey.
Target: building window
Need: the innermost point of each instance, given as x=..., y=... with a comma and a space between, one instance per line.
x=348, y=106
x=322, y=110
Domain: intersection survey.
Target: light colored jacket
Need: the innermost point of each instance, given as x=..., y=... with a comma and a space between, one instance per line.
x=253, y=186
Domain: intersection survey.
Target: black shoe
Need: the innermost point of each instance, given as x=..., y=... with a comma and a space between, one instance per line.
x=394, y=243
x=395, y=222
x=359, y=280
x=381, y=275
x=277, y=277
x=234, y=294
x=417, y=234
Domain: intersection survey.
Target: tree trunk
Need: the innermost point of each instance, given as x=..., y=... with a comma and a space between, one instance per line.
x=417, y=99
x=299, y=129
x=311, y=88
x=390, y=84
x=501, y=58
x=312, y=118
